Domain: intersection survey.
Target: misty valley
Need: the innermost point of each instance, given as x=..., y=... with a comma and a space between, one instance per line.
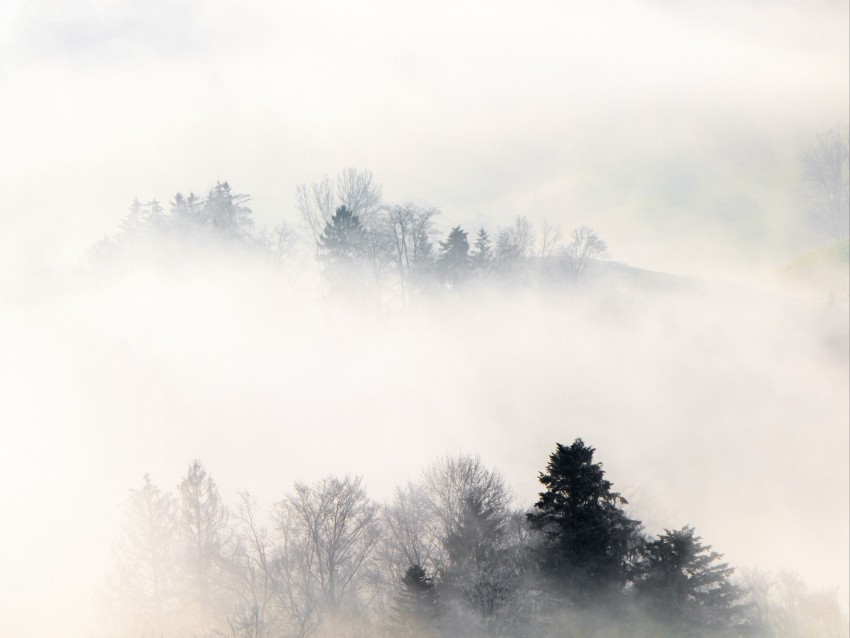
x=387, y=319
x=367, y=300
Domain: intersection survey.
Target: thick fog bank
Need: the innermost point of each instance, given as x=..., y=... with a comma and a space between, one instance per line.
x=721, y=407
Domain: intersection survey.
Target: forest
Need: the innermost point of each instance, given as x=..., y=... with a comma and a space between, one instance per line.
x=450, y=554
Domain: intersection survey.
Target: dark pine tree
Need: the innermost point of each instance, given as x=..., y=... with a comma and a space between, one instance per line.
x=343, y=240
x=344, y=248
x=683, y=585
x=587, y=539
x=416, y=604
x=454, y=257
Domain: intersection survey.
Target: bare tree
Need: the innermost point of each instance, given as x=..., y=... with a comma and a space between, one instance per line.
x=253, y=567
x=335, y=530
x=408, y=229
x=515, y=243
x=781, y=605
x=316, y=203
x=826, y=178
x=298, y=595
x=409, y=537
x=552, y=235
x=358, y=191
x=586, y=249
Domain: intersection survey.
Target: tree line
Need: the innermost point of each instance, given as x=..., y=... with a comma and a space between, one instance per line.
x=448, y=555
x=363, y=245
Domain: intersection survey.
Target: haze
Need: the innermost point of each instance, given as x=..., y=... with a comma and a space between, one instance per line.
x=675, y=130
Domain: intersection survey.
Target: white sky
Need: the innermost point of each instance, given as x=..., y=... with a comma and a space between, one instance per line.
x=673, y=128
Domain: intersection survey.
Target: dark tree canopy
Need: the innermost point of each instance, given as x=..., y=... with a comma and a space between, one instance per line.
x=683, y=584
x=343, y=239
x=587, y=538
x=454, y=256
x=416, y=603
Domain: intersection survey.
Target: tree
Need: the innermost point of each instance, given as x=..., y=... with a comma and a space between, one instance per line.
x=278, y=245
x=144, y=588
x=684, y=586
x=227, y=213
x=186, y=212
x=409, y=536
x=416, y=603
x=469, y=513
x=358, y=191
x=514, y=244
x=408, y=229
x=451, y=483
x=478, y=571
x=826, y=181
x=454, y=257
x=344, y=248
x=482, y=254
x=142, y=219
x=254, y=569
x=584, y=251
x=335, y=524
x=782, y=606
x=587, y=539
x=205, y=536
x=551, y=237
x=354, y=189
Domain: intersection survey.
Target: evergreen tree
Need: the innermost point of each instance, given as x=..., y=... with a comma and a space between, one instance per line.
x=479, y=572
x=343, y=239
x=454, y=256
x=587, y=539
x=680, y=581
x=204, y=535
x=227, y=212
x=416, y=604
x=144, y=587
x=482, y=256
x=344, y=248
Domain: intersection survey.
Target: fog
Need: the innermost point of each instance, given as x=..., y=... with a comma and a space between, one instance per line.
x=726, y=410
x=673, y=129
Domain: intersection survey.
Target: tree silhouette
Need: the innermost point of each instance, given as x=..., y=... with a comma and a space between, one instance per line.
x=683, y=584
x=587, y=539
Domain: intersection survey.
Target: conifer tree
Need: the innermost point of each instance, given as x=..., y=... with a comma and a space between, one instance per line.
x=416, y=604
x=343, y=239
x=454, y=256
x=587, y=539
x=482, y=255
x=683, y=584
x=204, y=534
x=144, y=587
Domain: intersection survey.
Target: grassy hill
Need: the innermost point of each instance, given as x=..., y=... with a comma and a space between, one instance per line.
x=824, y=272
